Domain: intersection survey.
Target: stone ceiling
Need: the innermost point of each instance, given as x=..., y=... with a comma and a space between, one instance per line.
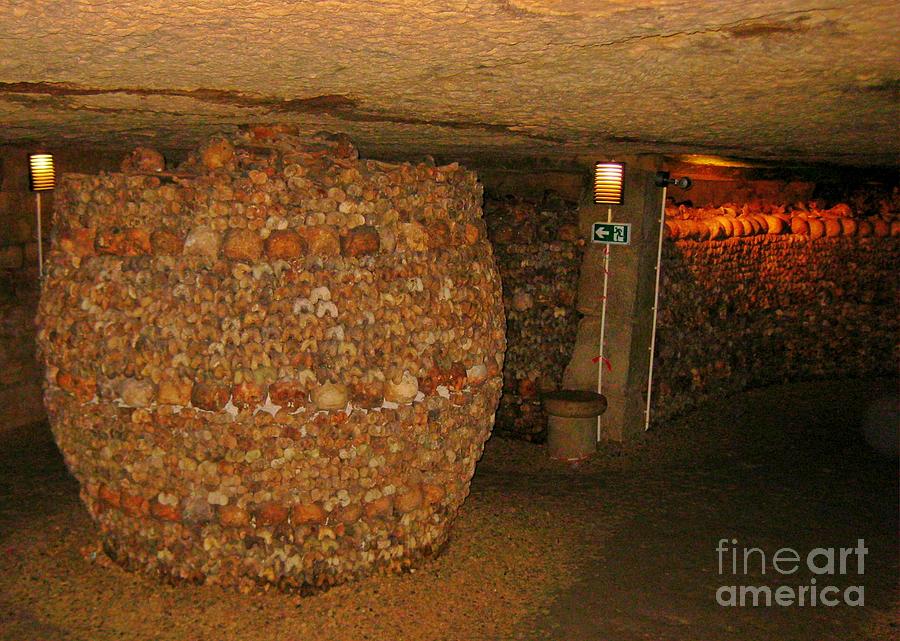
x=800, y=80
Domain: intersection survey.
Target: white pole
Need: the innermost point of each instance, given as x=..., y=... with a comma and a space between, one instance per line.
x=603, y=321
x=662, y=223
x=40, y=240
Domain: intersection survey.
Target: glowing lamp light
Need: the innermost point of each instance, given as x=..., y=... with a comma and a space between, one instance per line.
x=41, y=174
x=608, y=183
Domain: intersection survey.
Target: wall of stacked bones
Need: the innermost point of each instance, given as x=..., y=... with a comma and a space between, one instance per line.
x=538, y=253
x=278, y=363
x=757, y=294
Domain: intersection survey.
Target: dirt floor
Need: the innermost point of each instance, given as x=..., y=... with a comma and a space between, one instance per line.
x=622, y=548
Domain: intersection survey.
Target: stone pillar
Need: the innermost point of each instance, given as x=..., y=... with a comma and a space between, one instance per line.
x=629, y=313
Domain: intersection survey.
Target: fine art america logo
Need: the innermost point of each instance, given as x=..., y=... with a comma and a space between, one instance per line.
x=817, y=568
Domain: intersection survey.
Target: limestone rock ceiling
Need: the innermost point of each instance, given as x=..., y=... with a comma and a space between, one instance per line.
x=792, y=80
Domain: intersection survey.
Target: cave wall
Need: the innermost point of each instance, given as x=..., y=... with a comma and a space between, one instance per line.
x=709, y=191
x=752, y=311
x=20, y=395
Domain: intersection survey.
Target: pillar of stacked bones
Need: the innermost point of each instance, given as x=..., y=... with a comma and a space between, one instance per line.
x=277, y=364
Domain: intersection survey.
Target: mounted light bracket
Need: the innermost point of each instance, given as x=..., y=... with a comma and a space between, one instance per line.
x=663, y=180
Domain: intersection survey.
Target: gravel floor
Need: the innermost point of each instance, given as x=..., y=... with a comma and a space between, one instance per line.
x=622, y=547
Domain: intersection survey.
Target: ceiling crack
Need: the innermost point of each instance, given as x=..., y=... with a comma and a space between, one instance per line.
x=728, y=26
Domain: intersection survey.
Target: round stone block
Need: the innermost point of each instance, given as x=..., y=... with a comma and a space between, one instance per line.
x=572, y=423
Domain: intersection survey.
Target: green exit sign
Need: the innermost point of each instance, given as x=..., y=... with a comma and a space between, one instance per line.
x=611, y=233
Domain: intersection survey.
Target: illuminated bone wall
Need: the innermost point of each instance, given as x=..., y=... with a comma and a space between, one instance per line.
x=754, y=295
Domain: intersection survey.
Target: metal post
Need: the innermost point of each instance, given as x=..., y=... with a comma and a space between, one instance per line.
x=603, y=322
x=40, y=240
x=662, y=223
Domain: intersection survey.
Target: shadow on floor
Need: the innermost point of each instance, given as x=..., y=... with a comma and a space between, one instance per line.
x=783, y=467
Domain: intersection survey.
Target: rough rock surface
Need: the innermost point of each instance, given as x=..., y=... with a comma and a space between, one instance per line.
x=238, y=418
x=761, y=78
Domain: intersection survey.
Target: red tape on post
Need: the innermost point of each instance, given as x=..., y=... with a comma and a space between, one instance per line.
x=605, y=360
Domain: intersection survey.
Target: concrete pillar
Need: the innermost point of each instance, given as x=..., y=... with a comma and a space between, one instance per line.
x=629, y=314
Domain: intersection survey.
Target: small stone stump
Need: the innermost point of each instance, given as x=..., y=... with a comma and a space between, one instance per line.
x=572, y=424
